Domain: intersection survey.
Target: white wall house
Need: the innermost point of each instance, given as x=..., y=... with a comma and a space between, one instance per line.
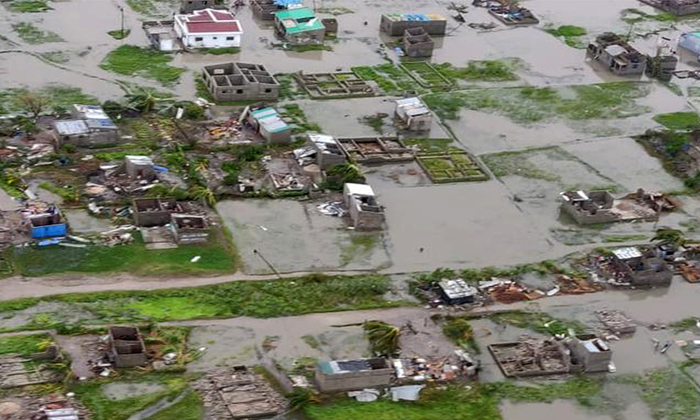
x=208, y=28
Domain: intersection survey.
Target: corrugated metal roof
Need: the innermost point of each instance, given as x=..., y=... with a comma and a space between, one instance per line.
x=359, y=189
x=100, y=123
x=627, y=253
x=71, y=127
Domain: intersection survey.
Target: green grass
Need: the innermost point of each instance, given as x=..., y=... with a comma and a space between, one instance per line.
x=121, y=154
x=570, y=34
x=23, y=344
x=635, y=15
x=361, y=245
x=432, y=145
x=310, y=47
x=145, y=62
x=189, y=408
x=262, y=299
x=687, y=324
x=455, y=402
x=58, y=97
x=460, y=331
x=669, y=394
x=133, y=258
x=517, y=163
x=28, y=6
x=33, y=35
x=118, y=34
x=67, y=193
x=539, y=322
x=679, y=120
x=487, y=71
x=218, y=51
x=528, y=105
x=153, y=8
x=624, y=238
x=58, y=57
x=298, y=119
x=103, y=408
x=389, y=78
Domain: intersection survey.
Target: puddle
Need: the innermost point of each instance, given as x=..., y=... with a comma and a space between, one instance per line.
x=121, y=390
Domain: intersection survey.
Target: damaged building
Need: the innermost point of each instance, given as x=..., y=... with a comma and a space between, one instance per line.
x=90, y=126
x=640, y=267
x=265, y=9
x=189, y=228
x=413, y=115
x=326, y=151
x=589, y=354
x=347, y=375
x=269, y=124
x=369, y=150
x=45, y=221
x=161, y=34
x=149, y=212
x=531, y=357
x=396, y=24
x=511, y=13
x=299, y=26
x=617, y=55
x=127, y=348
x=189, y=6
x=601, y=207
x=139, y=168
x=362, y=206
x=676, y=7
x=417, y=43
x=456, y=292
x=334, y=85
x=240, y=82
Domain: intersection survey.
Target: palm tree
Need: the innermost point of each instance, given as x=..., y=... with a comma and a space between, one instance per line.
x=146, y=100
x=668, y=236
x=205, y=194
x=383, y=337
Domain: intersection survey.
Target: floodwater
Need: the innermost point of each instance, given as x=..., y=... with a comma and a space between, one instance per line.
x=295, y=236
x=559, y=409
x=81, y=221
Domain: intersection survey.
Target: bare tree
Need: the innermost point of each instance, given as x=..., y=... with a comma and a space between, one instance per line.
x=32, y=103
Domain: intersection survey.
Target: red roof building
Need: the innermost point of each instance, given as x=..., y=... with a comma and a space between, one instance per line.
x=208, y=28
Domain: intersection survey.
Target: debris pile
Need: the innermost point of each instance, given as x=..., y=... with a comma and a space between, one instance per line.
x=531, y=357
x=49, y=407
x=616, y=321
x=332, y=208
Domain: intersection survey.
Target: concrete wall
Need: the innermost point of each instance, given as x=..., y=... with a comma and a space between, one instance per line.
x=353, y=380
x=237, y=87
x=189, y=6
x=98, y=138
x=397, y=28
x=585, y=218
x=149, y=218
x=308, y=37
x=278, y=137
x=364, y=219
x=591, y=361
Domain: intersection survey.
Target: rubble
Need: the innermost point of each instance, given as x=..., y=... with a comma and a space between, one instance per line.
x=616, y=321
x=531, y=357
x=237, y=393
x=332, y=208
x=54, y=406
x=600, y=206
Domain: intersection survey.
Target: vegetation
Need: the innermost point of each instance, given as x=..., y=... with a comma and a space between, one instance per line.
x=132, y=60
x=91, y=394
x=375, y=121
x=539, y=322
x=262, y=299
x=517, y=163
x=679, y=120
x=389, y=78
x=310, y=47
x=24, y=344
x=487, y=71
x=335, y=11
x=383, y=337
x=339, y=175
x=460, y=331
x=361, y=245
x=119, y=34
x=635, y=15
x=33, y=35
x=536, y=104
x=219, y=51
x=133, y=258
x=28, y=6
x=570, y=34
x=668, y=393
x=687, y=324
x=189, y=408
x=68, y=193
x=154, y=8
x=296, y=115
x=455, y=402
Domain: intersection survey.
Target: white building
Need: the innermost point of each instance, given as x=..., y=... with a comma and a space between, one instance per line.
x=208, y=28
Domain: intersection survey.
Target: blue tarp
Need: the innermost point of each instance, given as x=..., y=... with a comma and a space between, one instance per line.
x=160, y=168
x=285, y=3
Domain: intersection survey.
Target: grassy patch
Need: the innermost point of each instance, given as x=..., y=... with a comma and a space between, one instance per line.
x=389, y=78
x=68, y=193
x=635, y=15
x=296, y=115
x=142, y=61
x=311, y=341
x=487, y=70
x=28, y=6
x=58, y=57
x=58, y=98
x=532, y=104
x=455, y=402
x=153, y=8
x=539, y=322
x=679, y=120
x=570, y=34
x=33, y=35
x=432, y=145
x=376, y=121
x=687, y=324
x=189, y=408
x=101, y=407
x=119, y=34
x=360, y=245
x=310, y=47
x=335, y=11
x=23, y=344
x=263, y=299
x=219, y=51
x=460, y=331
x=516, y=163
x=669, y=394
x=133, y=258
x=624, y=238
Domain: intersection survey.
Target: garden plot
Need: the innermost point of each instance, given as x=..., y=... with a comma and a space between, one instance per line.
x=295, y=236
x=426, y=75
x=451, y=167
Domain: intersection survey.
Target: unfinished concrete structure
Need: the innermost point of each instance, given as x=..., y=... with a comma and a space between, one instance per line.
x=270, y=125
x=139, y=168
x=189, y=6
x=617, y=55
x=641, y=268
x=676, y=7
x=149, y=212
x=189, y=228
x=264, y=9
x=413, y=115
x=417, y=43
x=127, y=347
x=331, y=25
x=531, y=357
x=600, y=207
x=589, y=354
x=347, y=375
x=395, y=24
x=362, y=206
x=240, y=82
x=161, y=34
x=329, y=153
x=334, y=85
x=456, y=292
x=375, y=149
x=299, y=26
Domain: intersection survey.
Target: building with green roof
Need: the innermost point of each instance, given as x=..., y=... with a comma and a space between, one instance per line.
x=299, y=26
